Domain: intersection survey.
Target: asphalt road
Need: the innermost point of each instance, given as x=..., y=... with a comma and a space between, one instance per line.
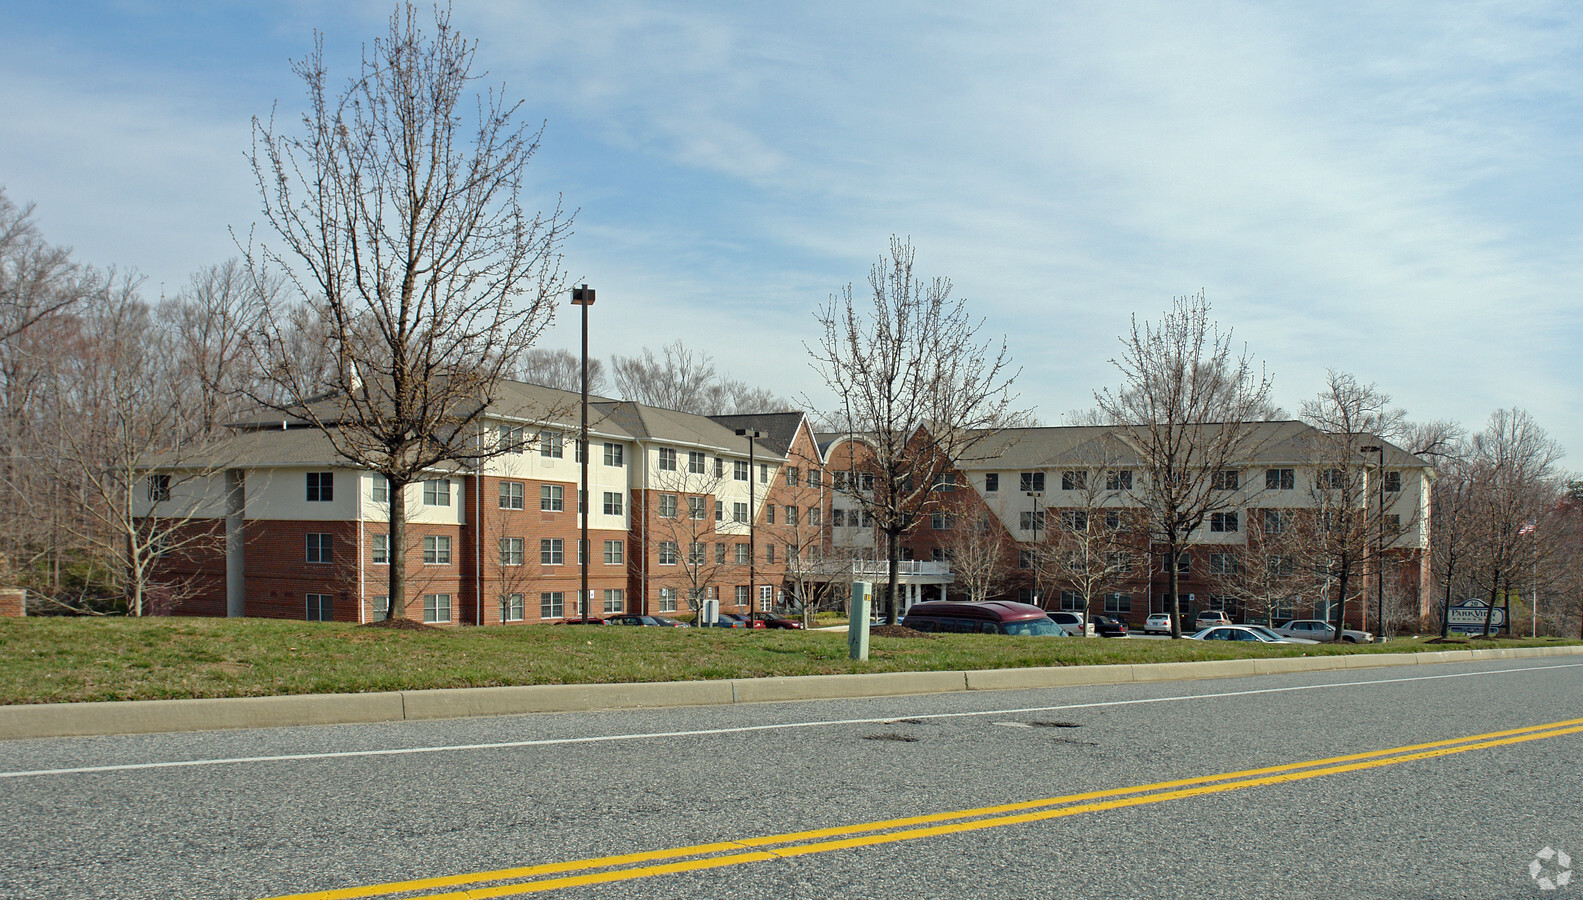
x=284, y=811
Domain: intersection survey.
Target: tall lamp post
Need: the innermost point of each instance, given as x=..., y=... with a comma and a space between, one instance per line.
x=584, y=296
x=1379, y=539
x=751, y=435
x=1035, y=554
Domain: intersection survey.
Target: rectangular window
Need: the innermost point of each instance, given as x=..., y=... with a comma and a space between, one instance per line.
x=552, y=605
x=512, y=438
x=320, y=548
x=511, y=551
x=615, y=601
x=1113, y=520
x=159, y=488
x=380, y=604
x=769, y=514
x=511, y=609
x=1075, y=520
x=667, y=459
x=320, y=608
x=695, y=463
x=1393, y=524
x=1393, y=482
x=1072, y=601
x=720, y=511
x=813, y=517
x=1184, y=564
x=1223, y=522
x=741, y=594
x=668, y=553
x=945, y=482
x=764, y=473
x=667, y=506
x=615, y=454
x=1024, y=559
x=1119, y=561
x=1118, y=603
x=615, y=553
x=667, y=600
x=791, y=515
x=739, y=512
x=381, y=488
x=436, y=550
x=941, y=521
x=612, y=503
x=697, y=508
x=1074, y=480
x=1276, y=521
x=1223, y=480
x=697, y=553
x=1281, y=566
x=720, y=554
x=437, y=492
x=550, y=445
x=1031, y=521
x=321, y=487
x=582, y=552
x=720, y=467
x=815, y=478
x=1031, y=481
x=552, y=497
x=510, y=495
x=739, y=470
x=436, y=607
x=1280, y=479
x=578, y=448
x=766, y=597
x=381, y=549
x=1330, y=479
x=769, y=554
x=992, y=483
x=1223, y=564
x=743, y=557
x=552, y=551
x=793, y=475
x=1118, y=480
x=838, y=517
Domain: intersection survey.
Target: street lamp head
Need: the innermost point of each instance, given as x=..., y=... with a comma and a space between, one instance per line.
x=583, y=296
x=748, y=432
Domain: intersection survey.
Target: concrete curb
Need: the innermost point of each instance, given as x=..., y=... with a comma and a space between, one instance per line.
x=46, y=720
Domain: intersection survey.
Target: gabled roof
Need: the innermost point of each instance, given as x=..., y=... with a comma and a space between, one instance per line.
x=779, y=429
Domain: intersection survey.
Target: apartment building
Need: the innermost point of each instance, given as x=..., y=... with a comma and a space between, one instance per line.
x=759, y=511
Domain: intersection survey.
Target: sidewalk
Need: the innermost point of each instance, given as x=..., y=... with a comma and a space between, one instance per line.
x=150, y=716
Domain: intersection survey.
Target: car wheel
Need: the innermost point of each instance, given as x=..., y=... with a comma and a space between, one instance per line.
x=1349, y=640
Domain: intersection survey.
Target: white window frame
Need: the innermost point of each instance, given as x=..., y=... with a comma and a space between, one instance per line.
x=436, y=549
x=436, y=605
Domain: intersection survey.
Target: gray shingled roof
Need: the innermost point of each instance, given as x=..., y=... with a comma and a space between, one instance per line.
x=780, y=429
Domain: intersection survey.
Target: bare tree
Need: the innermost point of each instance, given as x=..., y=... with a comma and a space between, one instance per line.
x=1343, y=529
x=1191, y=404
x=684, y=379
x=37, y=279
x=916, y=383
x=979, y=550
x=561, y=369
x=690, y=553
x=1518, y=461
x=403, y=234
x=213, y=319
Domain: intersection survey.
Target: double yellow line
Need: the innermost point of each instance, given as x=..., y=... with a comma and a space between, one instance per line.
x=631, y=866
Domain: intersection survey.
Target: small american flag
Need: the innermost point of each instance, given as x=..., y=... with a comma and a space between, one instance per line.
x=1528, y=527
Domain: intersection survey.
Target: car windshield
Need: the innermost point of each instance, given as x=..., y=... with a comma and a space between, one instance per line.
x=1265, y=632
x=1033, y=627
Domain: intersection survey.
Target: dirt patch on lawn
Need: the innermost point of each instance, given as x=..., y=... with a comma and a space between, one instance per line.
x=901, y=631
x=401, y=625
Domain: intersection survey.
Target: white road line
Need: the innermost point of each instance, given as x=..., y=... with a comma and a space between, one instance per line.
x=743, y=729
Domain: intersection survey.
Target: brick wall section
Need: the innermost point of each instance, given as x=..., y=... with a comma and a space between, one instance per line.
x=13, y=603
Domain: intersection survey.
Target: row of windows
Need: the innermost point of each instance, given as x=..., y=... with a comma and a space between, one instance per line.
x=1222, y=480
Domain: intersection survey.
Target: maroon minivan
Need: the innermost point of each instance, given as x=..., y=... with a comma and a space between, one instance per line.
x=988, y=617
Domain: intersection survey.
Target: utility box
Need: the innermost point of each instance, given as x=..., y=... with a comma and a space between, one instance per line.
x=857, y=619
x=708, y=613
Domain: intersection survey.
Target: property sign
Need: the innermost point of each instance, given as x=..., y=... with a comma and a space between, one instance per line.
x=1470, y=613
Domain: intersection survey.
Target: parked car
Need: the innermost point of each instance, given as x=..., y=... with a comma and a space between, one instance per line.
x=579, y=621
x=989, y=617
x=1242, y=633
x=1273, y=635
x=770, y=620
x=1158, y=623
x=1074, y=622
x=1319, y=630
x=1210, y=617
x=652, y=621
x=1109, y=626
x=736, y=620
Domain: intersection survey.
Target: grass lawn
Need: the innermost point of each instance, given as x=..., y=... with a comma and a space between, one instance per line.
x=50, y=660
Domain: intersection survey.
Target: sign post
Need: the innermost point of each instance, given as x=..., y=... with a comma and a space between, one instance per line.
x=857, y=621
x=1468, y=616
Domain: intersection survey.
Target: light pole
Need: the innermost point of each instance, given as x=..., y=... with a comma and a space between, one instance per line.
x=1379, y=542
x=751, y=434
x=1035, y=555
x=584, y=296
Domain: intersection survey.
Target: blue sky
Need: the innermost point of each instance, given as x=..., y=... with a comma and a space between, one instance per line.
x=1391, y=189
